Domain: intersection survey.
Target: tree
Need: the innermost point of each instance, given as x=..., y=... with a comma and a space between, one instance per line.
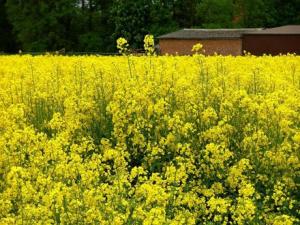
x=7, y=39
x=288, y=12
x=259, y=13
x=216, y=13
x=185, y=12
x=94, y=25
x=131, y=20
x=162, y=17
x=44, y=25
x=96, y=29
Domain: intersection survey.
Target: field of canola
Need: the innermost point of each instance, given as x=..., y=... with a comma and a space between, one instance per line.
x=149, y=140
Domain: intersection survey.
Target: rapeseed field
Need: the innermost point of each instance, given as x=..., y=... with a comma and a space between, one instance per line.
x=149, y=140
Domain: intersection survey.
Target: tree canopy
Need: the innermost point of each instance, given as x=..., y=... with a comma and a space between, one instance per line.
x=94, y=25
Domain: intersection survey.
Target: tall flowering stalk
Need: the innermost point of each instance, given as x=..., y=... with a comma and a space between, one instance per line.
x=149, y=44
x=122, y=45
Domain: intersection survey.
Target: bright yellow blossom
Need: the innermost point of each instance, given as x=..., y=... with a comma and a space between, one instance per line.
x=149, y=140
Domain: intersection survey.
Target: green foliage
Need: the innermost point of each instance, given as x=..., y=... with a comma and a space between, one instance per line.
x=216, y=13
x=259, y=13
x=52, y=25
x=288, y=11
x=44, y=25
x=7, y=39
x=185, y=12
x=95, y=28
x=161, y=15
x=130, y=19
x=94, y=25
x=133, y=19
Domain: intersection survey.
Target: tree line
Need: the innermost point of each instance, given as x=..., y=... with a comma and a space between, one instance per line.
x=94, y=25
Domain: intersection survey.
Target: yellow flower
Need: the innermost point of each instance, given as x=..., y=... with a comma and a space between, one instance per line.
x=149, y=44
x=197, y=48
x=122, y=45
x=149, y=140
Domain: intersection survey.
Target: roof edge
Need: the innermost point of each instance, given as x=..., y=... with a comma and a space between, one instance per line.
x=280, y=34
x=212, y=38
x=239, y=30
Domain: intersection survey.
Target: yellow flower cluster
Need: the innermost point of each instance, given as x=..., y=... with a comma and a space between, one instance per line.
x=149, y=140
x=122, y=45
x=197, y=48
x=149, y=44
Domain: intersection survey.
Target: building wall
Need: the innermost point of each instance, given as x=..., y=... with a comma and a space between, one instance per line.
x=184, y=47
x=271, y=44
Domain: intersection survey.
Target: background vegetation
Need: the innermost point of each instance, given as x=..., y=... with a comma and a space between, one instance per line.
x=94, y=25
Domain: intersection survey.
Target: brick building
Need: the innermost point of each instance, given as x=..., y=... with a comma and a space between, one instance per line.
x=257, y=41
x=285, y=39
x=221, y=41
